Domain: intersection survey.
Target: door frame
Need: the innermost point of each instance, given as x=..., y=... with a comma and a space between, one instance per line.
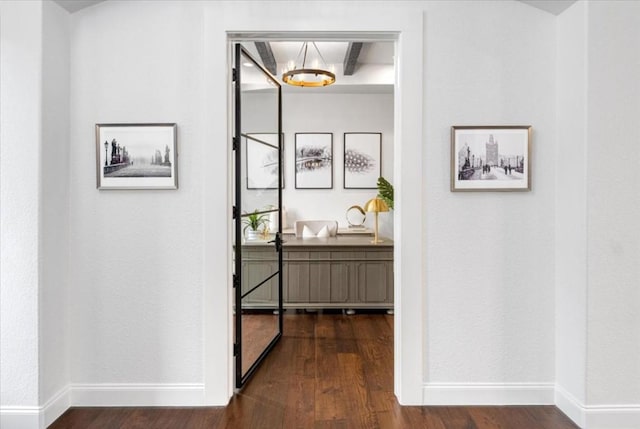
x=406, y=27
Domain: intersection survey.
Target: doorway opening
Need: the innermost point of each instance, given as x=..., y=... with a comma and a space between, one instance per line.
x=358, y=113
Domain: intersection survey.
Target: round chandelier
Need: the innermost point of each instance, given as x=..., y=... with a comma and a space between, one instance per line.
x=303, y=76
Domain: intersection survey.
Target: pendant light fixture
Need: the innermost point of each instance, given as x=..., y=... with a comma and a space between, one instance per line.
x=303, y=76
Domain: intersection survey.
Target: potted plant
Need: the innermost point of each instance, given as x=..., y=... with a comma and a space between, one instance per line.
x=252, y=223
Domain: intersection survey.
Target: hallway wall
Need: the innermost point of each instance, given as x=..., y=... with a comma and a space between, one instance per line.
x=613, y=353
x=148, y=293
x=598, y=234
x=571, y=204
x=134, y=292
x=54, y=234
x=489, y=255
x=20, y=109
x=136, y=258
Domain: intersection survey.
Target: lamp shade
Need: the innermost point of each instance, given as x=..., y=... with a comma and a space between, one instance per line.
x=376, y=205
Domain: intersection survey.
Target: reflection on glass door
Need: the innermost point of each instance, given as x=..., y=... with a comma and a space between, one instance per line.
x=257, y=211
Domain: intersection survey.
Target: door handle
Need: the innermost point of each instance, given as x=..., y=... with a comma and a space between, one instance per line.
x=277, y=241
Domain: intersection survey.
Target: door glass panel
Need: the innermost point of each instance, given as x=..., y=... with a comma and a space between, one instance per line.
x=259, y=319
x=258, y=199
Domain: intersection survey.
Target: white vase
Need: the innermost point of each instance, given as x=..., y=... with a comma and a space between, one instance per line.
x=273, y=221
x=251, y=235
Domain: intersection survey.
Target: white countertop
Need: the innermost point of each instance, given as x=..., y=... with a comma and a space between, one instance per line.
x=339, y=241
x=341, y=231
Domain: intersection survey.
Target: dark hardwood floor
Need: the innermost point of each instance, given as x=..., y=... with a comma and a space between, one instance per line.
x=328, y=371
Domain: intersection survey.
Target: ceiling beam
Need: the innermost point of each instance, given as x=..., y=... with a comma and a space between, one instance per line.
x=351, y=57
x=266, y=55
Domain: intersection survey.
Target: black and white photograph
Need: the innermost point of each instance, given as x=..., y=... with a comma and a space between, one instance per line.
x=314, y=160
x=262, y=161
x=362, y=160
x=491, y=158
x=136, y=156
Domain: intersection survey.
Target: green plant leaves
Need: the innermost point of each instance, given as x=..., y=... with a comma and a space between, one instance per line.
x=385, y=191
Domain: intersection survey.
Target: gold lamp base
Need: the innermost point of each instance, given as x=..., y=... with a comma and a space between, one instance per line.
x=376, y=205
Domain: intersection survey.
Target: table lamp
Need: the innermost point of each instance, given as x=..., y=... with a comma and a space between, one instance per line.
x=376, y=205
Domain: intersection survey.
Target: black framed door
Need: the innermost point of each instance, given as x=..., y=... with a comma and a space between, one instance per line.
x=257, y=210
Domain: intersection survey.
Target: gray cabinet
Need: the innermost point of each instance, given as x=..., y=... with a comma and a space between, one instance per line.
x=341, y=272
x=257, y=265
x=374, y=282
x=316, y=277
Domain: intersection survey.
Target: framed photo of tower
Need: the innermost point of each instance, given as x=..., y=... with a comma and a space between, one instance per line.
x=491, y=158
x=136, y=156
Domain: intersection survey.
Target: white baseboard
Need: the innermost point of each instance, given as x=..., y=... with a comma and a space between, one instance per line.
x=598, y=416
x=572, y=407
x=21, y=418
x=56, y=406
x=164, y=395
x=488, y=394
x=613, y=417
x=35, y=417
x=137, y=395
x=102, y=395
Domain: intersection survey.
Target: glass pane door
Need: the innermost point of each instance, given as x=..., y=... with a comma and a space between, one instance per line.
x=258, y=202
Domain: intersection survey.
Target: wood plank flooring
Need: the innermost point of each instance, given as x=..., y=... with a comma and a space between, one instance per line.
x=328, y=371
x=258, y=330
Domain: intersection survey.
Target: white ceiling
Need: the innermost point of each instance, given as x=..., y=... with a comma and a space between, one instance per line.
x=75, y=5
x=333, y=52
x=374, y=69
x=555, y=7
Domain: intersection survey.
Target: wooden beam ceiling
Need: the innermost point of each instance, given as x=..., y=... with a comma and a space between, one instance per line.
x=351, y=57
x=266, y=55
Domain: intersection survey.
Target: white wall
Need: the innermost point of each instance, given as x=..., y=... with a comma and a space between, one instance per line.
x=571, y=208
x=613, y=364
x=136, y=257
x=54, y=331
x=35, y=162
x=597, y=233
x=337, y=114
x=20, y=107
x=489, y=264
x=146, y=268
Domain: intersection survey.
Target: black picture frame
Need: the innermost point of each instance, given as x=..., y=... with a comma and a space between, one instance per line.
x=314, y=160
x=362, y=162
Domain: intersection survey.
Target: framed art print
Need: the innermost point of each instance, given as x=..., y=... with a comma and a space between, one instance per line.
x=491, y=158
x=136, y=156
x=362, y=160
x=314, y=160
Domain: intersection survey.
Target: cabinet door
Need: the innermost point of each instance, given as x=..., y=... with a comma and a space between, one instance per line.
x=297, y=277
x=255, y=268
x=375, y=280
x=329, y=282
